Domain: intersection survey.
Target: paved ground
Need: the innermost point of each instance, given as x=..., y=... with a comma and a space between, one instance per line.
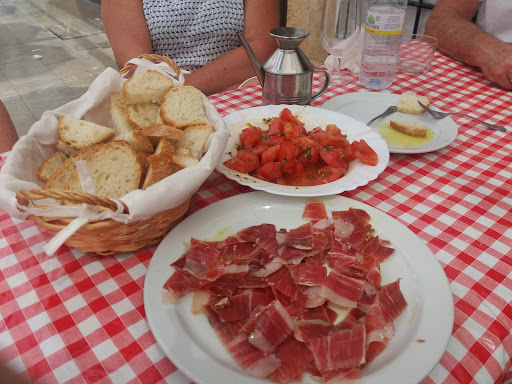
x=50, y=52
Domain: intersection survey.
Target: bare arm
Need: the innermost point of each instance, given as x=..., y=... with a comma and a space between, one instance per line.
x=126, y=29
x=8, y=132
x=450, y=22
x=231, y=69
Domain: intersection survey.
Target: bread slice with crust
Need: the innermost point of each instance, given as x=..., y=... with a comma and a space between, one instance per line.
x=142, y=115
x=115, y=170
x=160, y=163
x=183, y=159
x=50, y=165
x=125, y=132
x=63, y=147
x=409, y=103
x=67, y=170
x=182, y=107
x=146, y=87
x=80, y=134
x=409, y=128
x=195, y=138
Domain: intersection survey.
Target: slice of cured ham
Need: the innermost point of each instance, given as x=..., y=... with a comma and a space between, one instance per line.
x=295, y=358
x=272, y=328
x=340, y=350
x=342, y=290
x=314, y=211
x=270, y=295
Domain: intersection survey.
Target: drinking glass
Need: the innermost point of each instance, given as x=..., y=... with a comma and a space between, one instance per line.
x=339, y=32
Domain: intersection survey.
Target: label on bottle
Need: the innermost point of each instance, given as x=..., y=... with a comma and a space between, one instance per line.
x=380, y=23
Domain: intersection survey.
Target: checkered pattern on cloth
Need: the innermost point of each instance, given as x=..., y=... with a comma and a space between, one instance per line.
x=79, y=318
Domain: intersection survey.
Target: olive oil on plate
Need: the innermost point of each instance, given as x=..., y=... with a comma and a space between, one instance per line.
x=395, y=138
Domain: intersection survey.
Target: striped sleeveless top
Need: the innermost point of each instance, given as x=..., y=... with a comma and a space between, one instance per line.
x=194, y=32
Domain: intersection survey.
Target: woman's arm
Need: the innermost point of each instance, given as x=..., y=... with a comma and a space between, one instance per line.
x=450, y=22
x=126, y=29
x=8, y=132
x=231, y=69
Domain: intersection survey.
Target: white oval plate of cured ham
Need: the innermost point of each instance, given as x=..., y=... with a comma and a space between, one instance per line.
x=357, y=175
x=422, y=330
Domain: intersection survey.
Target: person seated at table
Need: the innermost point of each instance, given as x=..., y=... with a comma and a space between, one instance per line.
x=198, y=35
x=8, y=135
x=486, y=44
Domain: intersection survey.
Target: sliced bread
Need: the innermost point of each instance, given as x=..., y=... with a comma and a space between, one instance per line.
x=63, y=147
x=146, y=87
x=118, y=114
x=182, y=107
x=80, y=134
x=50, y=165
x=162, y=130
x=137, y=140
x=409, y=128
x=183, y=159
x=142, y=115
x=65, y=172
x=195, y=138
x=160, y=163
x=409, y=103
x=115, y=170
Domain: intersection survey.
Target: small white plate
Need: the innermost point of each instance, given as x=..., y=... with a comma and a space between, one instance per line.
x=358, y=174
x=364, y=106
x=422, y=331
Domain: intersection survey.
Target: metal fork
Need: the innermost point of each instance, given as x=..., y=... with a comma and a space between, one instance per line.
x=442, y=115
x=388, y=111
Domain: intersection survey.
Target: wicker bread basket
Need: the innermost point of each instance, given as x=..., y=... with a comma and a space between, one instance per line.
x=106, y=237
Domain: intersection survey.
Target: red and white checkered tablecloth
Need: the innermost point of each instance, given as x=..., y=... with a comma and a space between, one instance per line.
x=79, y=318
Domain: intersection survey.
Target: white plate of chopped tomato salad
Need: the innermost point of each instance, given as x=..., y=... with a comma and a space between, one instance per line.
x=422, y=330
x=355, y=175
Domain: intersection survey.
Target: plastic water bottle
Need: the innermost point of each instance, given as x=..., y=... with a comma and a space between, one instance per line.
x=383, y=33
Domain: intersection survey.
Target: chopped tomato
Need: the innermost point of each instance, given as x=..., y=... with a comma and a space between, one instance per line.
x=349, y=154
x=286, y=115
x=250, y=136
x=275, y=127
x=288, y=152
x=293, y=131
x=273, y=140
x=291, y=167
x=327, y=174
x=243, y=162
x=269, y=171
x=334, y=158
x=270, y=154
x=333, y=128
x=365, y=153
x=309, y=150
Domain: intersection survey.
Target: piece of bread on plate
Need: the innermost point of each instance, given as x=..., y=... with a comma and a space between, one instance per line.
x=80, y=134
x=50, y=165
x=146, y=87
x=409, y=103
x=182, y=107
x=142, y=115
x=115, y=170
x=409, y=128
x=160, y=163
x=195, y=138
